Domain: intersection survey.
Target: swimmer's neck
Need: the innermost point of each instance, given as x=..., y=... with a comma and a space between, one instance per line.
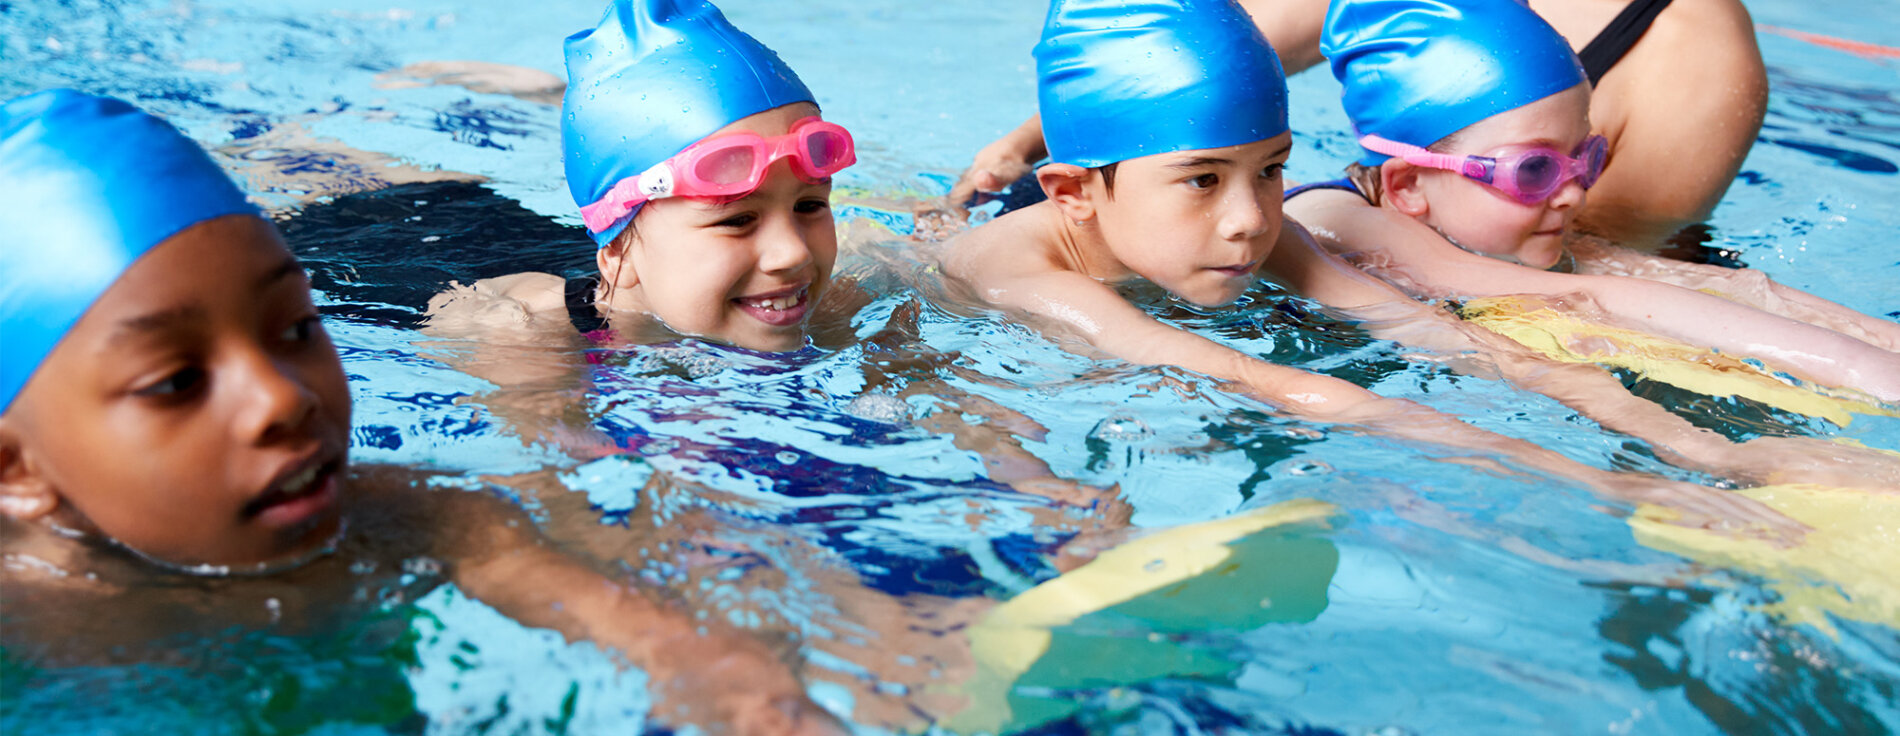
x=1080, y=246
x=42, y=553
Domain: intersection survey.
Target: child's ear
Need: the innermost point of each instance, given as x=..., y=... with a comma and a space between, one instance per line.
x=25, y=493
x=1398, y=180
x=1065, y=185
x=612, y=260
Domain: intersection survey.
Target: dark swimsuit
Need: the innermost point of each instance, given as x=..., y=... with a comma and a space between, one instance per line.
x=580, y=295
x=1615, y=40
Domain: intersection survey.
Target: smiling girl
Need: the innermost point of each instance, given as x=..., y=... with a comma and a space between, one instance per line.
x=1473, y=117
x=703, y=171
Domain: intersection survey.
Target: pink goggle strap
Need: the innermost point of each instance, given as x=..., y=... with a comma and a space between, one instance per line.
x=1420, y=157
x=620, y=200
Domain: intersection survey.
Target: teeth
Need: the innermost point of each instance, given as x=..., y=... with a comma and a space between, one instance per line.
x=295, y=484
x=784, y=302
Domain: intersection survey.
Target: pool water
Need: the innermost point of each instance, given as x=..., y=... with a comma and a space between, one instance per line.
x=1439, y=598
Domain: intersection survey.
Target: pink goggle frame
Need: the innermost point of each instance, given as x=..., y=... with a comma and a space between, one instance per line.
x=730, y=165
x=1530, y=175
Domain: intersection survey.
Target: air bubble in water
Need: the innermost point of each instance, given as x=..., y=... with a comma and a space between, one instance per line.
x=1121, y=428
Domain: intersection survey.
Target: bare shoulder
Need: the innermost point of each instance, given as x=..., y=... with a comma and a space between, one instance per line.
x=1712, y=19
x=1704, y=38
x=514, y=300
x=1317, y=209
x=1016, y=244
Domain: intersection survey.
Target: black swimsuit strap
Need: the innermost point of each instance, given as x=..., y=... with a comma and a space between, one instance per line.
x=580, y=295
x=1616, y=39
x=1344, y=184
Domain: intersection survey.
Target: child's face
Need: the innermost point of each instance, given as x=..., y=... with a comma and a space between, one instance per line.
x=1488, y=221
x=1197, y=223
x=745, y=272
x=197, y=413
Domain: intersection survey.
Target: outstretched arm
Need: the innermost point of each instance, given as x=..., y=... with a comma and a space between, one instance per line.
x=1094, y=311
x=1432, y=267
x=1746, y=286
x=1388, y=313
x=702, y=672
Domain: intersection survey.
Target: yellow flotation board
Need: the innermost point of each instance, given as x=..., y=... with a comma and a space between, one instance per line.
x=1108, y=622
x=1561, y=335
x=1844, y=566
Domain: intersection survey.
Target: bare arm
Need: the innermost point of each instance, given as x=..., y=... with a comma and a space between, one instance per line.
x=1001, y=162
x=513, y=331
x=1679, y=130
x=1108, y=322
x=1313, y=271
x=701, y=672
x=1746, y=286
x=1430, y=266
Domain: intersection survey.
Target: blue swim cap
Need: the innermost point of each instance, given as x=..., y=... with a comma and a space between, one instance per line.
x=1122, y=79
x=87, y=185
x=1415, y=71
x=655, y=77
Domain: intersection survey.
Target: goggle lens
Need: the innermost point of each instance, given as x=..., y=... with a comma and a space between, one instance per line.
x=727, y=166
x=824, y=150
x=1596, y=154
x=1538, y=175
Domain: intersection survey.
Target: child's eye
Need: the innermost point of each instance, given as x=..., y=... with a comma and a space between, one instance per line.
x=303, y=329
x=175, y=385
x=1272, y=171
x=810, y=206
x=1204, y=181
x=737, y=221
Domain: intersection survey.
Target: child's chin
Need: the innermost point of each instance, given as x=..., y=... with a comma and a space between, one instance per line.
x=1542, y=250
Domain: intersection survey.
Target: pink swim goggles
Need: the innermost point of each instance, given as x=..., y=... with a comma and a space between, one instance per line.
x=1530, y=176
x=731, y=165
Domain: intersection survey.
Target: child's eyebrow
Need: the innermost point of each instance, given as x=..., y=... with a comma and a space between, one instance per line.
x=159, y=321
x=165, y=319
x=289, y=266
x=1199, y=162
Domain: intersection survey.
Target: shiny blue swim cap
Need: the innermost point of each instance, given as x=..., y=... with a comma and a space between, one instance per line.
x=1415, y=71
x=1122, y=79
x=655, y=77
x=87, y=185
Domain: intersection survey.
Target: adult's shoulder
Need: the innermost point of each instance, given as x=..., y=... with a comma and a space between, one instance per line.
x=1714, y=35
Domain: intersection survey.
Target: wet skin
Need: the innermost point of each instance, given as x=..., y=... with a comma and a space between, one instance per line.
x=745, y=272
x=197, y=413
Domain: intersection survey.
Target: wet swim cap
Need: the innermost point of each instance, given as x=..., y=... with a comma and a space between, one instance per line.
x=87, y=185
x=1121, y=79
x=655, y=77
x=1415, y=71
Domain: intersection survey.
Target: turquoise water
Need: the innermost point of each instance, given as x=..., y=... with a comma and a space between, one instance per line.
x=1462, y=601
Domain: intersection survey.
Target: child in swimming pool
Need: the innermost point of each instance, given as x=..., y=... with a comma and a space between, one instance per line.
x=1167, y=122
x=171, y=407
x=1684, y=78
x=1473, y=116
x=702, y=168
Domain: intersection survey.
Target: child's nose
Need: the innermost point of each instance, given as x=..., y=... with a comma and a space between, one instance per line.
x=275, y=399
x=1570, y=195
x=782, y=248
x=1243, y=218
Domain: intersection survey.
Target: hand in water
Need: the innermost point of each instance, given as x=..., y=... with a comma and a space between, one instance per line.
x=1701, y=507
x=731, y=684
x=1771, y=460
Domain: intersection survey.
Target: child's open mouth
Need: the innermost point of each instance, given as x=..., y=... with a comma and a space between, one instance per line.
x=1238, y=270
x=780, y=308
x=297, y=497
